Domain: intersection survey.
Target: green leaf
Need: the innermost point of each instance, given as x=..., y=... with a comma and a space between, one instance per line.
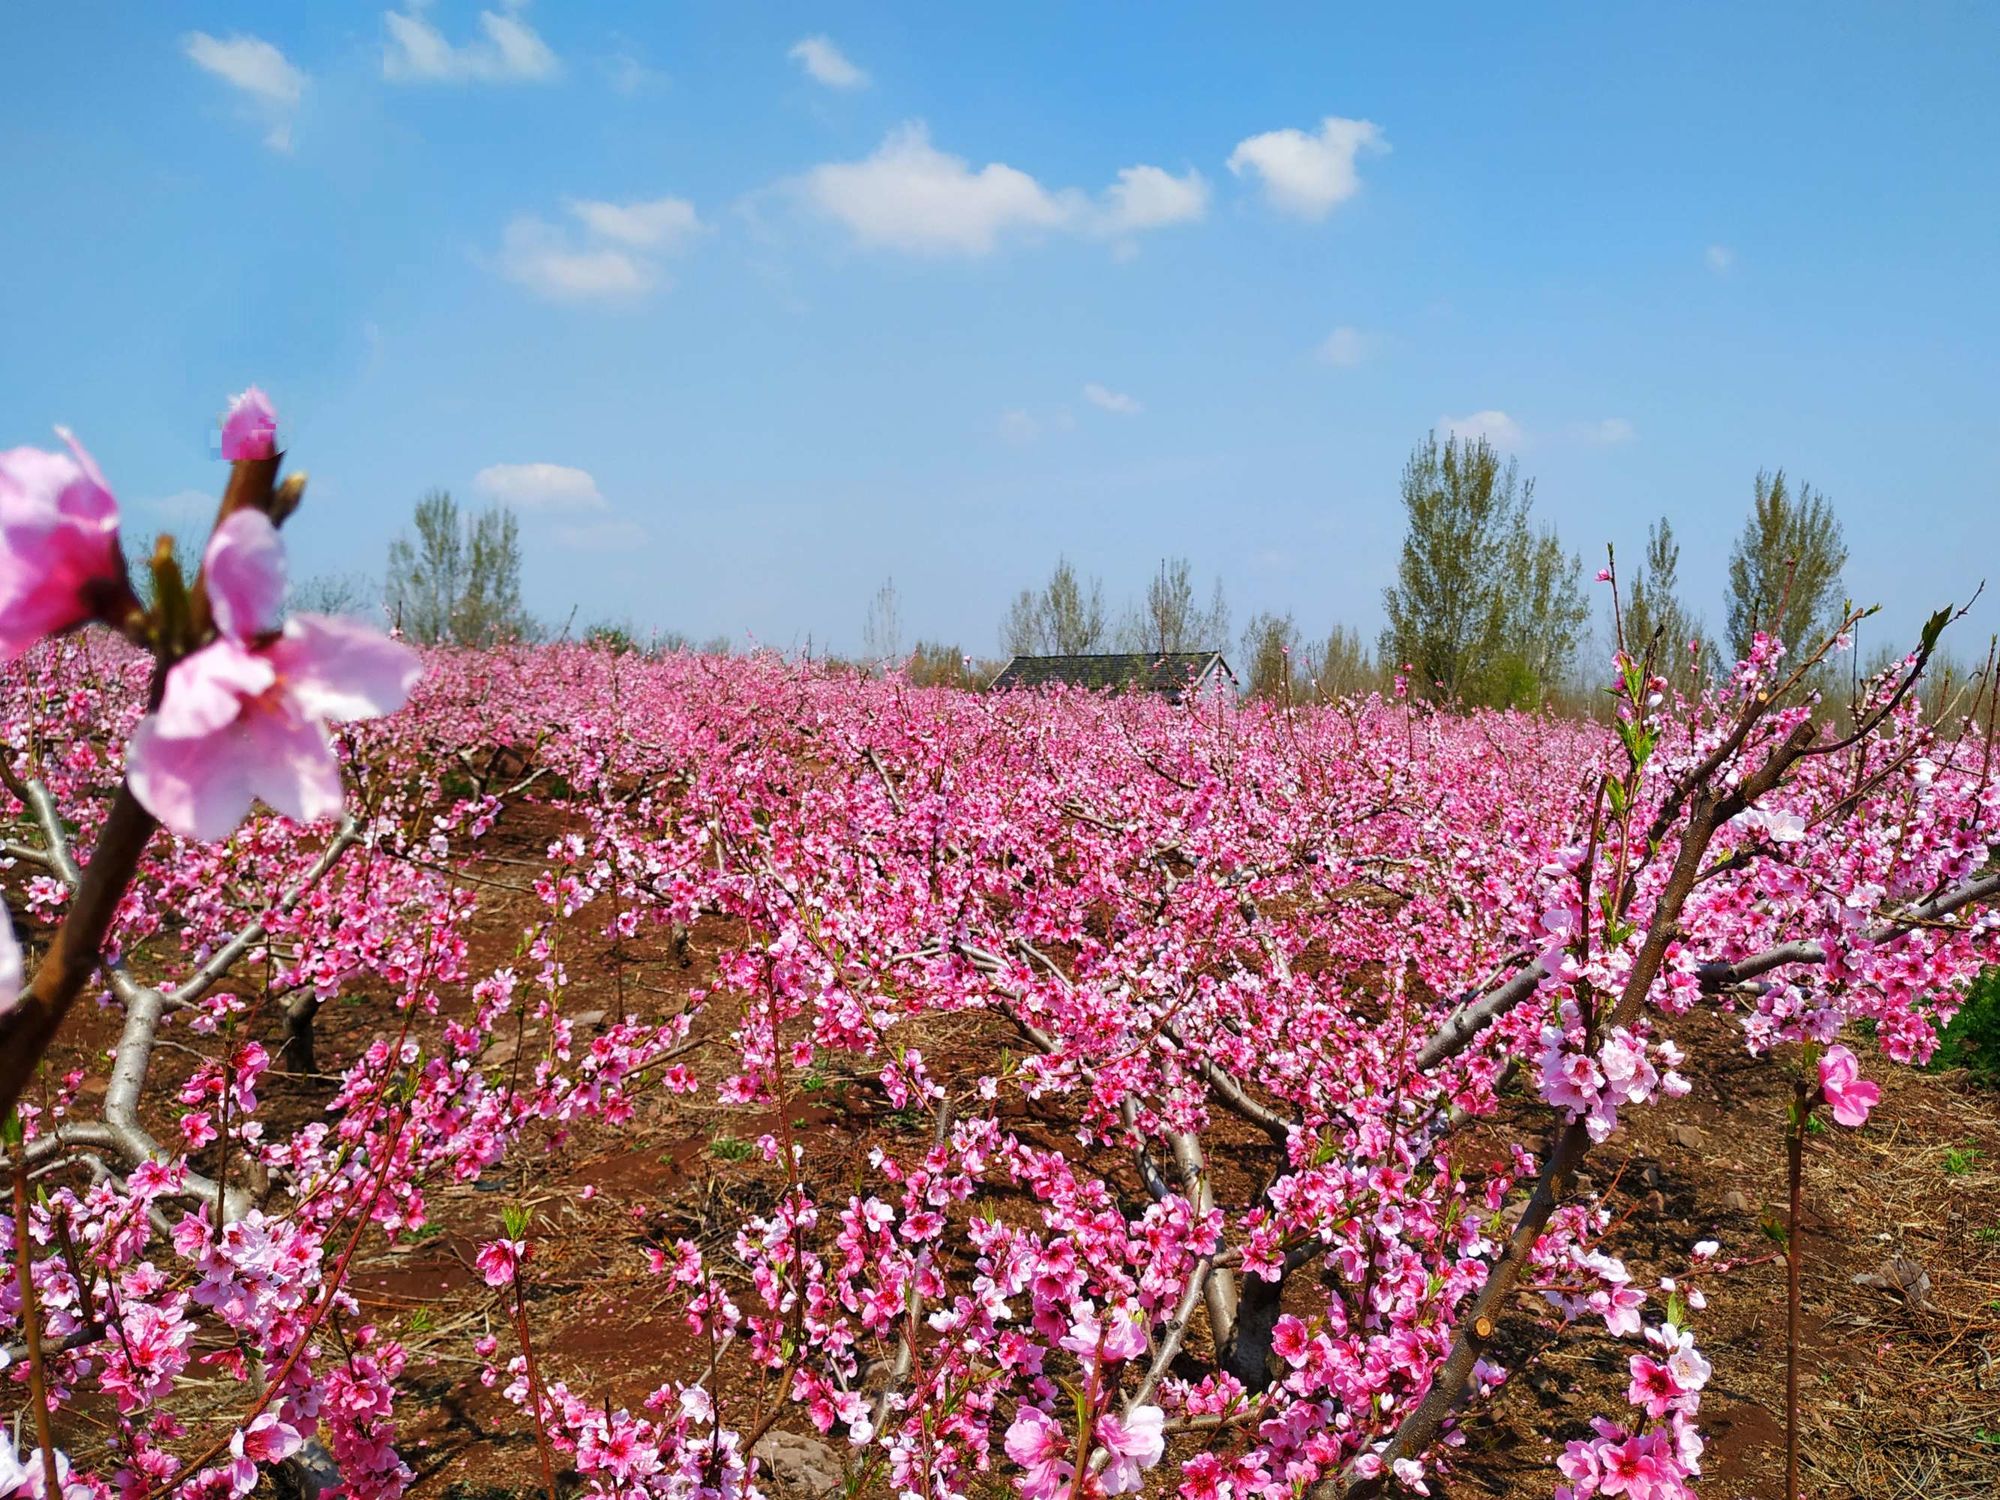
x=1934, y=627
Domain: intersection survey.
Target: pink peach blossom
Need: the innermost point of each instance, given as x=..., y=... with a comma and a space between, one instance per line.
x=245, y=717
x=1134, y=1444
x=1037, y=1443
x=1840, y=1081
x=245, y=569
x=250, y=429
x=59, y=557
x=499, y=1261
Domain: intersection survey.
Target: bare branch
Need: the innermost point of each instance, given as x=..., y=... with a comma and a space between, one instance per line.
x=1220, y=1291
x=57, y=855
x=1470, y=1019
x=1238, y=1102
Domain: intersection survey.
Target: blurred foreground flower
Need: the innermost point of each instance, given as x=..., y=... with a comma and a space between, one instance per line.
x=245, y=718
x=60, y=563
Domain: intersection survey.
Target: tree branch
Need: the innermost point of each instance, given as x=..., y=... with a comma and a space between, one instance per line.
x=1723, y=976
x=225, y=958
x=1706, y=813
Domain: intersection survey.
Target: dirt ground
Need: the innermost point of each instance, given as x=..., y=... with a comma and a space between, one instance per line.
x=1901, y=1382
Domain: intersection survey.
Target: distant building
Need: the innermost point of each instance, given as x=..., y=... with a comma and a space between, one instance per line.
x=1172, y=674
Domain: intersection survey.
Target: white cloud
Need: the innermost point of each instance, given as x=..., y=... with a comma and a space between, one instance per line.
x=1609, y=431
x=1019, y=426
x=628, y=73
x=543, y=259
x=259, y=70
x=539, y=487
x=911, y=196
x=602, y=536
x=1309, y=175
x=1719, y=259
x=250, y=63
x=1499, y=429
x=827, y=63
x=1106, y=399
x=659, y=223
x=1345, y=347
x=580, y=514
x=617, y=258
x=1152, y=198
x=509, y=51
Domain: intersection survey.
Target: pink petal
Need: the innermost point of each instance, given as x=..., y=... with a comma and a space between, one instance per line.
x=292, y=765
x=201, y=785
x=245, y=569
x=206, y=691
x=343, y=671
x=1851, y=1104
x=89, y=503
x=58, y=544
x=250, y=430
x=198, y=787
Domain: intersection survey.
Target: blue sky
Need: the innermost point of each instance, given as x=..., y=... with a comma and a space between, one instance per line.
x=747, y=308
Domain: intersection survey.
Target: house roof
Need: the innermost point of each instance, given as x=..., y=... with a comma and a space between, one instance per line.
x=1167, y=672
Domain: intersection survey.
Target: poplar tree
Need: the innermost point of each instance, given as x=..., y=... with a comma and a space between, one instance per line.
x=458, y=579
x=1065, y=617
x=1486, y=607
x=1655, y=620
x=1785, y=572
x=1169, y=618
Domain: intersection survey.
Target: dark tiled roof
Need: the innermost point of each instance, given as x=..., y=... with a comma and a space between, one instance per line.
x=1148, y=671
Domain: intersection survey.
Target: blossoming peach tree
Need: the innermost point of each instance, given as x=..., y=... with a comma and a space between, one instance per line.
x=1206, y=1014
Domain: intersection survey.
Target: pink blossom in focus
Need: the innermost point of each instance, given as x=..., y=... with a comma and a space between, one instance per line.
x=250, y=430
x=1653, y=1386
x=1134, y=1444
x=1121, y=1336
x=1840, y=1080
x=59, y=554
x=245, y=717
x=267, y=1440
x=499, y=1261
x=1290, y=1341
x=1038, y=1444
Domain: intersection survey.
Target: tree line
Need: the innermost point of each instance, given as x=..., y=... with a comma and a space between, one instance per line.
x=1487, y=608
